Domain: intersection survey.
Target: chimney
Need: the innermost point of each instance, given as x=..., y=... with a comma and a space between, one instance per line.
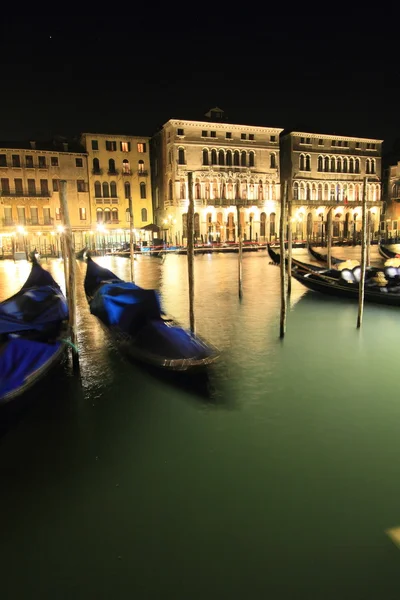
x=33, y=145
x=65, y=146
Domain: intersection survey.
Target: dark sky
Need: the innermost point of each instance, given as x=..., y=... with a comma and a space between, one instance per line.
x=131, y=70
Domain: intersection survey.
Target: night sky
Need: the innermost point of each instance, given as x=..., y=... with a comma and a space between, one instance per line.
x=129, y=71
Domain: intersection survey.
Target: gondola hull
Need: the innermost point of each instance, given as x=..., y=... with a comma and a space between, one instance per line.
x=387, y=254
x=322, y=257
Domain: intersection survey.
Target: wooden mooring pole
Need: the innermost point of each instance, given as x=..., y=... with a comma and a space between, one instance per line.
x=69, y=257
x=363, y=255
x=131, y=241
x=240, y=258
x=282, y=230
x=190, y=252
x=369, y=222
x=329, y=237
x=290, y=240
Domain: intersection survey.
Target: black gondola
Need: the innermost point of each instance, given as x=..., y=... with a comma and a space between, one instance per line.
x=386, y=253
x=276, y=259
x=31, y=325
x=133, y=316
x=81, y=254
x=323, y=257
x=381, y=286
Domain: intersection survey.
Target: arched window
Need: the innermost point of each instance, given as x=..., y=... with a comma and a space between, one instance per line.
x=320, y=164
x=106, y=191
x=367, y=166
x=143, y=194
x=213, y=156
x=295, y=191
x=96, y=166
x=127, y=187
x=127, y=215
x=326, y=192
x=351, y=165
x=207, y=189
x=345, y=165
x=229, y=158
x=320, y=191
x=223, y=189
x=107, y=215
x=332, y=193
x=339, y=165
x=308, y=162
x=243, y=161
x=221, y=157
x=302, y=162
x=184, y=225
x=236, y=158
x=357, y=193
x=373, y=166
x=326, y=164
x=244, y=190
x=157, y=197
x=196, y=225
x=125, y=166
x=197, y=190
x=308, y=192
x=351, y=192
x=357, y=165
x=170, y=157
x=141, y=166
x=111, y=165
x=333, y=165
x=251, y=159
x=302, y=192
x=237, y=190
x=99, y=215
x=263, y=218
x=205, y=157
x=144, y=214
x=182, y=189
x=272, y=224
x=114, y=215
x=170, y=195
x=97, y=189
x=113, y=189
x=181, y=156
x=272, y=161
x=260, y=192
x=313, y=192
x=215, y=189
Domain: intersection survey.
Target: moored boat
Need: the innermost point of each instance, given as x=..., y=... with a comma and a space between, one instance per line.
x=32, y=323
x=134, y=317
x=386, y=253
x=323, y=258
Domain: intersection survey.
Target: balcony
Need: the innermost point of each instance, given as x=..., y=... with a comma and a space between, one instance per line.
x=113, y=172
x=127, y=172
x=97, y=171
x=27, y=222
x=143, y=173
x=232, y=202
x=31, y=194
x=348, y=204
x=113, y=200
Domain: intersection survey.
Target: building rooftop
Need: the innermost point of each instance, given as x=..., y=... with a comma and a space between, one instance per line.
x=329, y=136
x=54, y=145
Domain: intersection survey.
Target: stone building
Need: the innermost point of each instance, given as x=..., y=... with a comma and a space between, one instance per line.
x=390, y=220
x=30, y=173
x=119, y=168
x=328, y=171
x=232, y=165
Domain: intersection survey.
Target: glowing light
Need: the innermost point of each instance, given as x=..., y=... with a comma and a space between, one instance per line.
x=60, y=228
x=39, y=233
x=91, y=232
x=52, y=233
x=101, y=228
x=20, y=230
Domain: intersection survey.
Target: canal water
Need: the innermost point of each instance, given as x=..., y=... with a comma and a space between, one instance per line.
x=277, y=481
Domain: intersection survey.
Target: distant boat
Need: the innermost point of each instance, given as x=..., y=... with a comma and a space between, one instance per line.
x=134, y=318
x=31, y=325
x=323, y=257
x=386, y=253
x=276, y=259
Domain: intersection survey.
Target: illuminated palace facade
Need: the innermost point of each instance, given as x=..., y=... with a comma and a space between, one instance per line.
x=30, y=175
x=390, y=222
x=118, y=168
x=328, y=171
x=232, y=165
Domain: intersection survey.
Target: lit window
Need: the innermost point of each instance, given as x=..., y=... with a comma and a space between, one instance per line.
x=125, y=146
x=82, y=214
x=141, y=148
x=58, y=214
x=141, y=166
x=79, y=162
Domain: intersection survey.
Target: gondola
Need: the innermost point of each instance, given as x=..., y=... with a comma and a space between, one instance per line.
x=133, y=316
x=276, y=259
x=382, y=286
x=81, y=254
x=386, y=253
x=322, y=257
x=32, y=323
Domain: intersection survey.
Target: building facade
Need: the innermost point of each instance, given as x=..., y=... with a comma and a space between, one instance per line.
x=232, y=165
x=390, y=221
x=324, y=172
x=30, y=175
x=119, y=168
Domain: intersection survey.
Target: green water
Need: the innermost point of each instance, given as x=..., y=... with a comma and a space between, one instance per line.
x=280, y=484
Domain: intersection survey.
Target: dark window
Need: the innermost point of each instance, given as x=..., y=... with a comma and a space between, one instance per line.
x=95, y=145
x=141, y=148
x=107, y=215
x=127, y=187
x=346, y=144
x=46, y=216
x=302, y=140
x=357, y=144
x=97, y=189
x=79, y=162
x=80, y=185
x=243, y=136
x=3, y=160
x=339, y=165
x=170, y=190
x=29, y=162
x=42, y=162
x=143, y=190
x=213, y=134
x=243, y=161
x=113, y=189
x=82, y=214
x=372, y=166
x=228, y=135
x=34, y=215
x=21, y=215
x=114, y=214
x=272, y=161
x=213, y=157
x=55, y=185
x=144, y=215
x=251, y=159
x=320, y=142
x=308, y=162
x=351, y=165
x=16, y=161
x=236, y=159
x=44, y=187
x=31, y=187
x=204, y=133
x=205, y=157
x=111, y=165
x=326, y=164
x=357, y=165
x=106, y=191
x=302, y=162
x=333, y=165
x=345, y=164
x=53, y=161
x=251, y=136
x=367, y=166
x=181, y=156
x=308, y=140
x=272, y=139
x=320, y=166
x=221, y=157
x=111, y=146
x=18, y=187
x=125, y=146
x=272, y=224
x=180, y=132
x=339, y=143
x=96, y=166
x=229, y=158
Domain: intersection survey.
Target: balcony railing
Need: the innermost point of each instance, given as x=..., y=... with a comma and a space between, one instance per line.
x=112, y=172
x=232, y=202
x=25, y=222
x=29, y=194
x=97, y=171
x=143, y=173
x=126, y=172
